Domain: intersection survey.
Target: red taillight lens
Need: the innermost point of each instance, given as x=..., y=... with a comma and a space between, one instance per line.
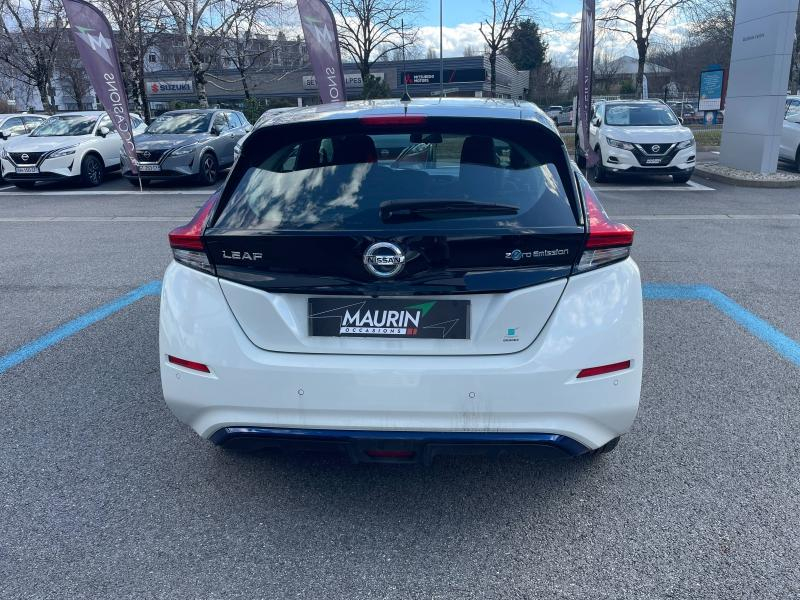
x=187, y=240
x=602, y=370
x=608, y=241
x=188, y=237
x=189, y=364
x=391, y=120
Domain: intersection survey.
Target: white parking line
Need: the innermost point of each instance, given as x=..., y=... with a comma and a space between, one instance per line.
x=691, y=186
x=95, y=219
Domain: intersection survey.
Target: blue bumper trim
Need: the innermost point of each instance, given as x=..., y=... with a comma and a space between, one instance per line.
x=424, y=444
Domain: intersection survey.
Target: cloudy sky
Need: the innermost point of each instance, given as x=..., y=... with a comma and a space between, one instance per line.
x=559, y=20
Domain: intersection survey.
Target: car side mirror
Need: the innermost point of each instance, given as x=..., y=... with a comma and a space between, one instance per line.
x=103, y=131
x=216, y=130
x=5, y=134
x=596, y=122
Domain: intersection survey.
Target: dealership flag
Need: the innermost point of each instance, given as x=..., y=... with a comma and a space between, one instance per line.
x=585, y=66
x=322, y=42
x=93, y=37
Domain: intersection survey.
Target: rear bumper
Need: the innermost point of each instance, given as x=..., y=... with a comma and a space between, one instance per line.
x=598, y=321
x=397, y=446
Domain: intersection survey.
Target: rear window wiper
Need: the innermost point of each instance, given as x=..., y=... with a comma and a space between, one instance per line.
x=415, y=210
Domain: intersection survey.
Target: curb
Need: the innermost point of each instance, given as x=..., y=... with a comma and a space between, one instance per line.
x=741, y=182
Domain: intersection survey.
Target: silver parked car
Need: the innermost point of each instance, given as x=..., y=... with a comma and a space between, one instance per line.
x=194, y=143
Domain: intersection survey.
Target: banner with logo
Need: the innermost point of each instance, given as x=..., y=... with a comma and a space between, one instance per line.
x=94, y=39
x=585, y=66
x=322, y=42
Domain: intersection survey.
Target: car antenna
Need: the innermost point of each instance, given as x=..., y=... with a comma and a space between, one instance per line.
x=405, y=97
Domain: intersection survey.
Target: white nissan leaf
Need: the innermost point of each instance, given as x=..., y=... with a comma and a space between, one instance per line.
x=78, y=145
x=466, y=294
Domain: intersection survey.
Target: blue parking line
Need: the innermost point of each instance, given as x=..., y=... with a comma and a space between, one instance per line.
x=71, y=328
x=782, y=344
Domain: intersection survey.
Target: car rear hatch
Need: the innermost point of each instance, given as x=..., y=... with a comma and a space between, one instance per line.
x=460, y=244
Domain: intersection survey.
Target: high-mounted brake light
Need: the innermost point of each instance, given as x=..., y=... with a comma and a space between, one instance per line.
x=608, y=241
x=602, y=370
x=187, y=243
x=390, y=120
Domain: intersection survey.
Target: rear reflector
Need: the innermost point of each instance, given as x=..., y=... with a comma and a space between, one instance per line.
x=189, y=364
x=592, y=371
x=394, y=120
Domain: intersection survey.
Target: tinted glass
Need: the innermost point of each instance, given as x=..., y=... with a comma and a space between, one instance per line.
x=639, y=115
x=62, y=125
x=14, y=126
x=233, y=118
x=32, y=123
x=179, y=123
x=345, y=183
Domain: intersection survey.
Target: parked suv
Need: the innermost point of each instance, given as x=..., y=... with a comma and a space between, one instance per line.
x=790, y=135
x=13, y=125
x=640, y=137
x=187, y=143
x=478, y=298
x=67, y=145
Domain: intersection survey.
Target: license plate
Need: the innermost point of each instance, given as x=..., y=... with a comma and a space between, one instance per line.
x=653, y=161
x=27, y=169
x=389, y=318
x=149, y=168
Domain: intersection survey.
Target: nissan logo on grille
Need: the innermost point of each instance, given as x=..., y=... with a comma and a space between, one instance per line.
x=655, y=147
x=146, y=153
x=384, y=259
x=25, y=157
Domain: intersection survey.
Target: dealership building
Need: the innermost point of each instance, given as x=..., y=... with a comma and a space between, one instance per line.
x=466, y=76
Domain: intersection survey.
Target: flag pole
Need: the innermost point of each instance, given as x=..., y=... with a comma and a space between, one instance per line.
x=441, y=50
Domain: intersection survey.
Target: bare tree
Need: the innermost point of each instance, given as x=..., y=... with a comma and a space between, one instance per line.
x=30, y=32
x=432, y=54
x=606, y=68
x=205, y=26
x=639, y=19
x=139, y=23
x=370, y=29
x=470, y=50
x=248, y=42
x=497, y=29
x=72, y=78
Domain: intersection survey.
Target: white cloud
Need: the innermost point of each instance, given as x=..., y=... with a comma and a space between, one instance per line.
x=454, y=39
x=560, y=15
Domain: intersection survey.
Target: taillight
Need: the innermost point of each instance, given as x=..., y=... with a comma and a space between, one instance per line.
x=186, y=240
x=608, y=242
x=604, y=369
x=188, y=364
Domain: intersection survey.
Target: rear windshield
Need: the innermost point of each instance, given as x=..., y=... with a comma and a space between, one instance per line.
x=424, y=179
x=645, y=115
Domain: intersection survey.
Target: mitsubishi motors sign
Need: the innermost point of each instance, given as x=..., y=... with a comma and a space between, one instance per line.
x=155, y=88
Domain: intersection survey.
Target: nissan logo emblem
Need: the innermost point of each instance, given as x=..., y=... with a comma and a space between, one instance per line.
x=146, y=153
x=656, y=147
x=25, y=157
x=384, y=259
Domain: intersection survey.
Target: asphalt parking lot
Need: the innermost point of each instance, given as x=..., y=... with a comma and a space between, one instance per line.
x=106, y=495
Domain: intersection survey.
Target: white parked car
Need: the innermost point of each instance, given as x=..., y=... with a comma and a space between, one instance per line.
x=471, y=294
x=790, y=135
x=15, y=124
x=76, y=144
x=640, y=137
